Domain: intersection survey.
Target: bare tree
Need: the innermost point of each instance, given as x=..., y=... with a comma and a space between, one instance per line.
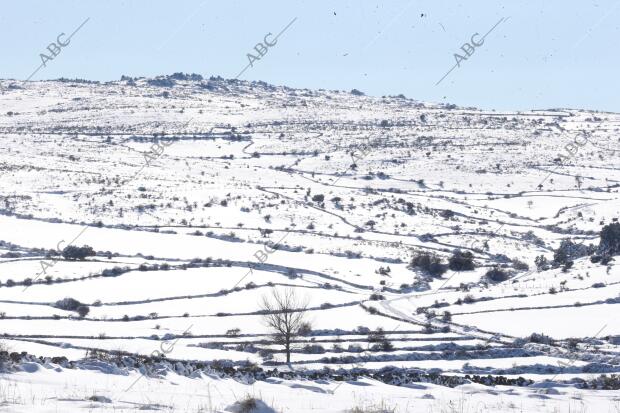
x=285, y=316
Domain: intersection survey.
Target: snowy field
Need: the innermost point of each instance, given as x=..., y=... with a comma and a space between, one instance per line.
x=202, y=198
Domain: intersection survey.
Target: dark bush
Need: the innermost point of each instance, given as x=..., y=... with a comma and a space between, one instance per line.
x=384, y=345
x=461, y=261
x=113, y=272
x=469, y=299
x=305, y=329
x=378, y=336
x=313, y=349
x=446, y=213
x=429, y=263
x=542, y=263
x=233, y=332
x=69, y=304
x=567, y=265
x=83, y=310
x=568, y=251
x=541, y=339
x=186, y=76
x=161, y=82
x=520, y=265
x=496, y=274
x=72, y=252
x=610, y=239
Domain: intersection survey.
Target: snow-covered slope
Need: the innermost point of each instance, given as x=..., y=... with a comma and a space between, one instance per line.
x=200, y=197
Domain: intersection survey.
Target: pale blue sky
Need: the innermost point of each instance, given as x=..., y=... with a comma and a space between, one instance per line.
x=548, y=54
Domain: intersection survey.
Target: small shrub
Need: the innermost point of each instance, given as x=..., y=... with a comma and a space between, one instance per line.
x=250, y=405
x=496, y=274
x=313, y=349
x=541, y=339
x=74, y=253
x=68, y=303
x=610, y=239
x=469, y=299
x=305, y=329
x=83, y=310
x=461, y=261
x=429, y=263
x=233, y=332
x=542, y=264
x=568, y=251
x=378, y=337
x=520, y=265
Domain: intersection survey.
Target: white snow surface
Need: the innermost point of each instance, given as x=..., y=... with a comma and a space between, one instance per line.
x=200, y=201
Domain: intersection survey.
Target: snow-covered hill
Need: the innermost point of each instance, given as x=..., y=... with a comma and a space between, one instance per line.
x=413, y=231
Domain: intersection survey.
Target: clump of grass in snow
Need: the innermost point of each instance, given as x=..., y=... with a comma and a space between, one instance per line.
x=373, y=408
x=250, y=404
